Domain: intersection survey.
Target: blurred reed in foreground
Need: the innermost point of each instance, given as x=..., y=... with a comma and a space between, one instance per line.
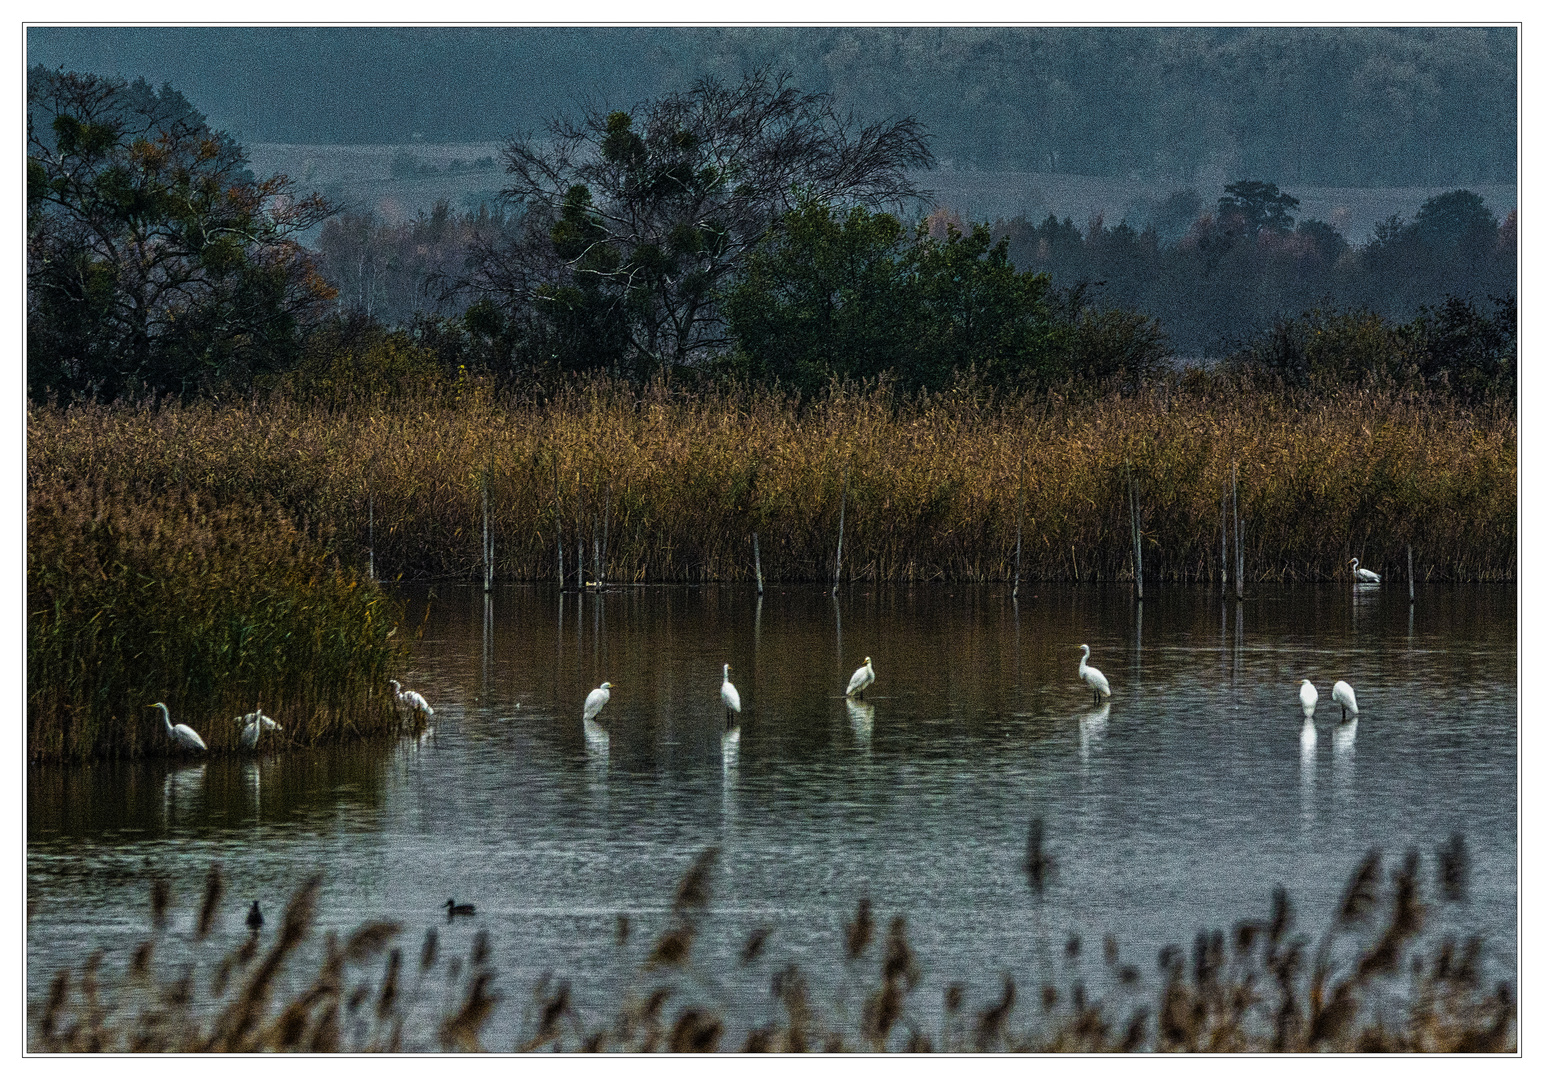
x=1363, y=986
x=669, y=482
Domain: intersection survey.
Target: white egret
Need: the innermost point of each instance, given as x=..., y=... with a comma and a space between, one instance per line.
x=452, y=909
x=410, y=699
x=256, y=724
x=597, y=700
x=730, y=695
x=1309, y=697
x=861, y=679
x=254, y=918
x=1093, y=676
x=1361, y=573
x=1346, y=696
x=180, y=734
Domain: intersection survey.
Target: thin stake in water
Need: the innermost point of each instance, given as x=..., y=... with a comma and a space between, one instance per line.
x=1136, y=528
x=841, y=527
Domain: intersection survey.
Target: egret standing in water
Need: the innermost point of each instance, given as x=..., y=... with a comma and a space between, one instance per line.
x=731, y=697
x=181, y=734
x=257, y=723
x=597, y=700
x=1347, y=698
x=1309, y=697
x=410, y=699
x=1093, y=676
x=1361, y=573
x=861, y=679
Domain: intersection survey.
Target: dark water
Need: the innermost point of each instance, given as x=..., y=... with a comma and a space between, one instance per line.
x=1175, y=808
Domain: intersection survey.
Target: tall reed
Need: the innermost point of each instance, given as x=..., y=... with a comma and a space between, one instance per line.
x=1370, y=982
x=934, y=489
x=212, y=605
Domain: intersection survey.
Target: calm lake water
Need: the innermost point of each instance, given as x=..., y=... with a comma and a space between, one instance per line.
x=1175, y=808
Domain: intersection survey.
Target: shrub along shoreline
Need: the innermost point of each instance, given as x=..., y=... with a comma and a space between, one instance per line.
x=214, y=607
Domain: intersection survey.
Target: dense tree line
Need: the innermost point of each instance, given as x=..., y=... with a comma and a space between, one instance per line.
x=1333, y=106
x=737, y=229
x=1235, y=269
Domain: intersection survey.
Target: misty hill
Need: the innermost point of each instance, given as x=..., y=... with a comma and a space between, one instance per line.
x=1312, y=107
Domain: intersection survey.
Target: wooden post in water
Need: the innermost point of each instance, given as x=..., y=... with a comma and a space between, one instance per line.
x=487, y=548
x=841, y=528
x=756, y=550
x=605, y=537
x=1410, y=572
x=1223, y=551
x=1238, y=541
x=557, y=502
x=1136, y=529
x=1018, y=532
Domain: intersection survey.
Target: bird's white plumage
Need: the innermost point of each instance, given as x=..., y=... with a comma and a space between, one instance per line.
x=1345, y=696
x=180, y=734
x=411, y=699
x=1308, y=696
x=730, y=695
x=256, y=724
x=1361, y=573
x=1092, y=675
x=861, y=679
x=597, y=700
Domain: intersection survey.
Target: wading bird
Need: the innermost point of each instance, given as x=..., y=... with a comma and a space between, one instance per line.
x=861, y=679
x=254, y=918
x=1309, y=697
x=410, y=699
x=1361, y=573
x=597, y=700
x=180, y=734
x=1346, y=696
x=1093, y=676
x=731, y=697
x=452, y=909
x=257, y=723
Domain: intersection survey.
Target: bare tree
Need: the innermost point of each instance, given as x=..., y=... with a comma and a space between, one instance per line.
x=633, y=221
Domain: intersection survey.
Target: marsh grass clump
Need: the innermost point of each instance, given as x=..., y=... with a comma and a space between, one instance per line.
x=1363, y=986
x=205, y=603
x=672, y=478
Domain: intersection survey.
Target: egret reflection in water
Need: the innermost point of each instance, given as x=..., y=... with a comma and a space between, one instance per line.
x=1308, y=763
x=860, y=714
x=597, y=755
x=181, y=790
x=1091, y=726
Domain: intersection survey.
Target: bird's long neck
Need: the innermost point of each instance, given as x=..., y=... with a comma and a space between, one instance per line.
x=166, y=715
x=726, y=672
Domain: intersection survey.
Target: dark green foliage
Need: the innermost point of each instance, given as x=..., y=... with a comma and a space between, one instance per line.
x=1455, y=347
x=1252, y=205
x=1227, y=277
x=858, y=295
x=632, y=223
x=155, y=260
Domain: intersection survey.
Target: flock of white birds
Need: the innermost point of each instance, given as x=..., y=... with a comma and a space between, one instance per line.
x=255, y=723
